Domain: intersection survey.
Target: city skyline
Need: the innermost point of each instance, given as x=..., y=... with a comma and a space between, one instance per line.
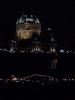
x=37, y=44
x=58, y=15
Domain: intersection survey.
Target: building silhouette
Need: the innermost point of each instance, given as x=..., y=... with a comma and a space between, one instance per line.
x=33, y=44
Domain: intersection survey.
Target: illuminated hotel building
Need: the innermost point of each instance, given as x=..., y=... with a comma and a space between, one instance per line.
x=26, y=25
x=31, y=41
x=28, y=31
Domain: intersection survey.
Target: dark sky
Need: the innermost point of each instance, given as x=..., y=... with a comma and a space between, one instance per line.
x=60, y=15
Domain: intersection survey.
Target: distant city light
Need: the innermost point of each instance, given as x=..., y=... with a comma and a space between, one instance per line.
x=54, y=50
x=49, y=29
x=62, y=51
x=14, y=79
x=67, y=51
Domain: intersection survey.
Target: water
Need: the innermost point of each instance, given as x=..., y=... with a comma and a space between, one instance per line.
x=37, y=64
x=27, y=64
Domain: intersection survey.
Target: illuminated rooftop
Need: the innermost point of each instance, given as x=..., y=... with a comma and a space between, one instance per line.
x=26, y=25
x=28, y=19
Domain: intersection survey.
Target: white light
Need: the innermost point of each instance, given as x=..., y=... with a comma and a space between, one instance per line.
x=49, y=29
x=67, y=51
x=62, y=51
x=37, y=21
x=1, y=79
x=69, y=79
x=31, y=15
x=56, y=79
x=72, y=79
x=29, y=19
x=53, y=50
x=52, y=79
x=64, y=79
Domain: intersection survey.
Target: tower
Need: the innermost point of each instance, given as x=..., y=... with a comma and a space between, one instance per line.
x=51, y=42
x=12, y=46
x=36, y=45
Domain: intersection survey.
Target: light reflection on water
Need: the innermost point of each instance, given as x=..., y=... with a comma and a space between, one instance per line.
x=53, y=63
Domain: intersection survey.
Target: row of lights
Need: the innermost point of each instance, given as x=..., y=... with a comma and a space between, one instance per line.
x=13, y=78
x=26, y=79
x=69, y=79
x=33, y=50
x=66, y=51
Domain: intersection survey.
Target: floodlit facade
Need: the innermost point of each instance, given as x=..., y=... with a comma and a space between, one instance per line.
x=30, y=38
x=26, y=25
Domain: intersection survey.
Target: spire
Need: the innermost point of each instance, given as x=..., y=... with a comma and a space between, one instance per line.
x=52, y=41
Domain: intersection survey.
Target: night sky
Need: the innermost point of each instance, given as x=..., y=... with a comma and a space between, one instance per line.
x=60, y=15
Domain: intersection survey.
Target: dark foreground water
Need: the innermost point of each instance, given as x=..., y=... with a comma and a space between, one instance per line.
x=33, y=64
x=25, y=64
x=39, y=94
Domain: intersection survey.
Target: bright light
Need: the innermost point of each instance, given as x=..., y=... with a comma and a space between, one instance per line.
x=53, y=50
x=64, y=79
x=67, y=51
x=62, y=51
x=14, y=79
x=49, y=29
x=72, y=79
